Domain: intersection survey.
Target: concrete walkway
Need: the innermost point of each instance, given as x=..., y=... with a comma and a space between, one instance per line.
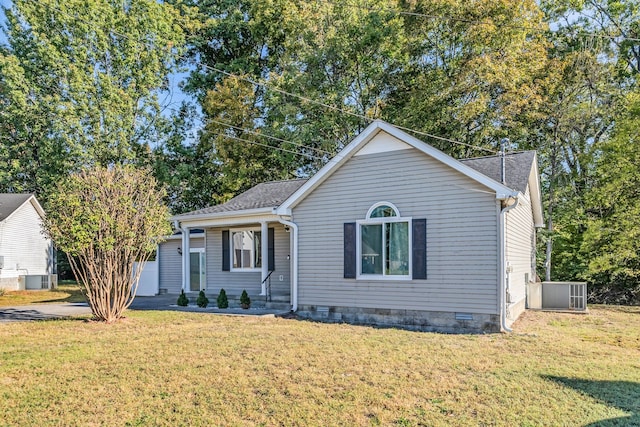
x=160, y=302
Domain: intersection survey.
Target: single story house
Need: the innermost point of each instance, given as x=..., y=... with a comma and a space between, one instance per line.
x=27, y=256
x=390, y=232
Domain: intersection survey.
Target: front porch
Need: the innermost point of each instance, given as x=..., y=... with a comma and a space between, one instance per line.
x=253, y=256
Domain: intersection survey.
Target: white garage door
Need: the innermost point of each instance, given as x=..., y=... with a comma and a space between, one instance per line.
x=148, y=285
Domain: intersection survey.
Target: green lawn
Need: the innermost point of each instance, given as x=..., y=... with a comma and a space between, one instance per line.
x=173, y=368
x=63, y=293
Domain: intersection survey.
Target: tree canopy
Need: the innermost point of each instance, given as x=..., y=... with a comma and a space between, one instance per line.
x=80, y=83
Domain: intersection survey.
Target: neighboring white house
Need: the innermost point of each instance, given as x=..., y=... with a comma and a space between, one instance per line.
x=26, y=254
x=390, y=232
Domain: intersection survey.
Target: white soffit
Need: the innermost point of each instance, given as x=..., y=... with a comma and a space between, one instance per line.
x=383, y=143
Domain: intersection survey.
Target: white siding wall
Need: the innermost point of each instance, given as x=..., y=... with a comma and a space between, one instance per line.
x=461, y=235
x=171, y=264
x=234, y=282
x=520, y=251
x=25, y=249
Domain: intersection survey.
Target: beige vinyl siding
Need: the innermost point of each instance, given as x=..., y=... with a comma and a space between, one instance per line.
x=520, y=248
x=171, y=263
x=234, y=282
x=24, y=248
x=461, y=235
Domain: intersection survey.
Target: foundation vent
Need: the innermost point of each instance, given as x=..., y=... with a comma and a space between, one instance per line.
x=464, y=316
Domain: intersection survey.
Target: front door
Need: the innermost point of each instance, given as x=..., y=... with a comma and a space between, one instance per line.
x=197, y=269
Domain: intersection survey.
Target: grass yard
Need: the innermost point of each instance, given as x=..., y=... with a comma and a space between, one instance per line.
x=64, y=293
x=172, y=368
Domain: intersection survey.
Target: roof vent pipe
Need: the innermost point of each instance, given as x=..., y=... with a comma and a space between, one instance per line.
x=503, y=142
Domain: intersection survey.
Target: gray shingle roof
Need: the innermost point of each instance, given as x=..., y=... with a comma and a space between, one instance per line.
x=517, y=168
x=265, y=195
x=9, y=202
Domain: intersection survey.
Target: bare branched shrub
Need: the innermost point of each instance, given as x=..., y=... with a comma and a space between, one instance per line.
x=106, y=219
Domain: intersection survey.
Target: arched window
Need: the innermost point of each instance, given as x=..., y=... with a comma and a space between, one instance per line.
x=382, y=210
x=384, y=243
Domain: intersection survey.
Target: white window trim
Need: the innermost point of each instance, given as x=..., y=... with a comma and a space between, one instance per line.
x=377, y=205
x=243, y=269
x=373, y=221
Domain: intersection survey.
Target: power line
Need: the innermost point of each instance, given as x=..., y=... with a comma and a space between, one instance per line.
x=270, y=137
x=334, y=108
x=268, y=146
x=281, y=91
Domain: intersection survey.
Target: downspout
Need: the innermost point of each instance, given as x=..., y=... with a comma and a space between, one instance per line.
x=294, y=273
x=503, y=271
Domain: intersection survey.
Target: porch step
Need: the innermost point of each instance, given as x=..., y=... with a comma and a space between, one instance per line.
x=278, y=301
x=284, y=306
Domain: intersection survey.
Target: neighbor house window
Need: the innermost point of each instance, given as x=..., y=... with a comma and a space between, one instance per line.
x=384, y=243
x=245, y=250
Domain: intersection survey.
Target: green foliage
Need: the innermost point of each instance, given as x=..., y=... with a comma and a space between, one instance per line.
x=2, y=291
x=222, y=300
x=202, y=300
x=245, y=301
x=612, y=238
x=80, y=84
x=183, y=301
x=106, y=219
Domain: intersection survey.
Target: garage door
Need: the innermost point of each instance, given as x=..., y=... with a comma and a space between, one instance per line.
x=148, y=285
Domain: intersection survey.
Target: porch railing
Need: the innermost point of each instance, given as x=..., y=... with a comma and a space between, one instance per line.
x=268, y=287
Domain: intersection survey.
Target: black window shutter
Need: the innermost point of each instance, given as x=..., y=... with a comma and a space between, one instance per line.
x=226, y=252
x=272, y=249
x=350, y=250
x=419, y=256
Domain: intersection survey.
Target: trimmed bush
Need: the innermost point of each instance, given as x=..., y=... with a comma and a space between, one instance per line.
x=245, y=301
x=222, y=300
x=202, y=300
x=183, y=301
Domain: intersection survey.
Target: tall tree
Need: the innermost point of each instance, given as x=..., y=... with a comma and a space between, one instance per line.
x=611, y=242
x=80, y=84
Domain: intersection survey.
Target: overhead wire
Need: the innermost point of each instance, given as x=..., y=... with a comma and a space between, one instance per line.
x=333, y=107
x=284, y=92
x=269, y=136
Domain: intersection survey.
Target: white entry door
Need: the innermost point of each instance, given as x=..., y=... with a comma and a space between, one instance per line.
x=197, y=263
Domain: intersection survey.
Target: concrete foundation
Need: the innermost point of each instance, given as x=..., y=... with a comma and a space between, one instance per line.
x=427, y=321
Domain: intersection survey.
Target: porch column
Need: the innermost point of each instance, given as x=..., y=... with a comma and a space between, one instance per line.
x=186, y=265
x=264, y=249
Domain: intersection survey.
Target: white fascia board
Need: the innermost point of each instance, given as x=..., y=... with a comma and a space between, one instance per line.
x=229, y=221
x=187, y=219
x=179, y=236
x=502, y=191
x=34, y=202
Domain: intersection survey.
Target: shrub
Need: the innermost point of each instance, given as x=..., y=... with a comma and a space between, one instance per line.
x=202, y=300
x=183, y=301
x=2, y=291
x=245, y=301
x=222, y=300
